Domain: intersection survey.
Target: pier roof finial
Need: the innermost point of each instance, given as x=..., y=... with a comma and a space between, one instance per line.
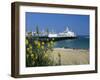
x=67, y=29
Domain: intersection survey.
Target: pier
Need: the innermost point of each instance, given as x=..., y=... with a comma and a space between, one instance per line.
x=45, y=39
x=48, y=36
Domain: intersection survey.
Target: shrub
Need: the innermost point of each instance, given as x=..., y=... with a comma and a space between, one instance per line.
x=38, y=52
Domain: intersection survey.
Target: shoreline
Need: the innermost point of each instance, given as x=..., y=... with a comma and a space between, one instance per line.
x=71, y=48
x=70, y=56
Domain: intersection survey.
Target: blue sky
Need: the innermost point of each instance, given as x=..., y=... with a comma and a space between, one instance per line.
x=58, y=22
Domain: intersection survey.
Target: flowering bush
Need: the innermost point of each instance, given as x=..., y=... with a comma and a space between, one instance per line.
x=38, y=52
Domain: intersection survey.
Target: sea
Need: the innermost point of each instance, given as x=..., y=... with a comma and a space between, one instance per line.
x=81, y=42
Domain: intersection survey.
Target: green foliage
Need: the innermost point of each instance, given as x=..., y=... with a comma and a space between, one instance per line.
x=38, y=52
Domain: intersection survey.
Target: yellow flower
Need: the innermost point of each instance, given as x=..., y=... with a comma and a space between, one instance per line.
x=30, y=46
x=48, y=44
x=35, y=42
x=38, y=44
x=51, y=42
x=28, y=49
x=32, y=55
x=26, y=41
x=42, y=43
x=42, y=47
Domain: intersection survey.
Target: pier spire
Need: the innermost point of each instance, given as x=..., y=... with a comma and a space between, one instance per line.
x=67, y=29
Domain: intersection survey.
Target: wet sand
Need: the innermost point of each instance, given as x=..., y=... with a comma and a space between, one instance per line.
x=62, y=56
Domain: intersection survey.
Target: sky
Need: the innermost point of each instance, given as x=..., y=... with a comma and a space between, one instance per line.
x=57, y=22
